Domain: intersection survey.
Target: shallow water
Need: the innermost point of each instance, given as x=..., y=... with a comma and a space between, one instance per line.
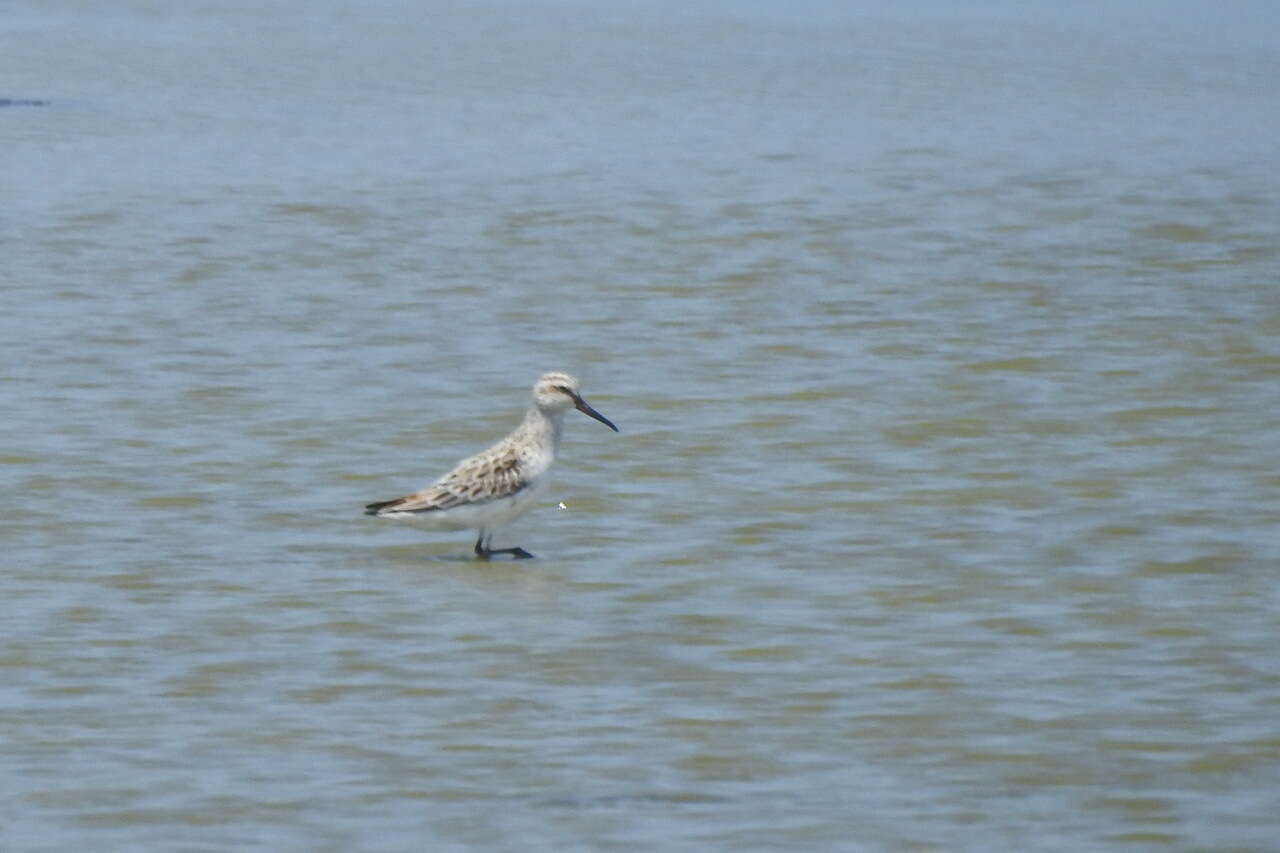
x=943, y=343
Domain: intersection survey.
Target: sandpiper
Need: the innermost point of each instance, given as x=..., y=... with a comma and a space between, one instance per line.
x=502, y=483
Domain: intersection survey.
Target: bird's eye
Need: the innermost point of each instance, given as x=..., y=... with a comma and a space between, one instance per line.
x=564, y=390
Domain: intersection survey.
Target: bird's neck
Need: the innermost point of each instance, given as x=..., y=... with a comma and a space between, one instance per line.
x=543, y=426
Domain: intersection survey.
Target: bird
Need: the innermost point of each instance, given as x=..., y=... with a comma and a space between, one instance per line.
x=498, y=485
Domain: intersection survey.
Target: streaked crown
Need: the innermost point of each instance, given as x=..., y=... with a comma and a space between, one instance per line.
x=555, y=391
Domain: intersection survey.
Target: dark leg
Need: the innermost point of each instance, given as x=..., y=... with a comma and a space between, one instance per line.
x=518, y=553
x=483, y=551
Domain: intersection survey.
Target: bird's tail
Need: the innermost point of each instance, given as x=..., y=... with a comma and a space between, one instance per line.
x=377, y=506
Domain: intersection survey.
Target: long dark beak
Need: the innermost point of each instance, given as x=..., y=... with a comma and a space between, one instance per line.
x=581, y=405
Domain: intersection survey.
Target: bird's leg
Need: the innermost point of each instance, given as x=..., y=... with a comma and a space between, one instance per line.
x=518, y=553
x=483, y=551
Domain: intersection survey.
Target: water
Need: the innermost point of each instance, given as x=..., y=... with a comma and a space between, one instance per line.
x=943, y=341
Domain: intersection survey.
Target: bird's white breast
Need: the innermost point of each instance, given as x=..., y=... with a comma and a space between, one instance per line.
x=476, y=515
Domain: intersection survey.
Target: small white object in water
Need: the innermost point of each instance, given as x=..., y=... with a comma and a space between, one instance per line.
x=561, y=505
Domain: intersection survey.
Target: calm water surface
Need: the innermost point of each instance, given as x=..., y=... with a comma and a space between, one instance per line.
x=945, y=344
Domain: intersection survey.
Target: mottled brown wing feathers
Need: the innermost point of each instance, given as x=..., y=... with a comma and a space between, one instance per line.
x=479, y=479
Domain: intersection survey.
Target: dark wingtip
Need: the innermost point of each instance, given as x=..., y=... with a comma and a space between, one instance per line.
x=373, y=508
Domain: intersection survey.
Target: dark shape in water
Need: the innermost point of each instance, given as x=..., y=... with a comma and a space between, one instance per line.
x=23, y=102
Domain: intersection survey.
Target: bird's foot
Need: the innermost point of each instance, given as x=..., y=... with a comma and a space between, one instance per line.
x=483, y=551
x=516, y=553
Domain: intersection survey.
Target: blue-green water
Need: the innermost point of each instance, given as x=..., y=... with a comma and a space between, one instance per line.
x=943, y=342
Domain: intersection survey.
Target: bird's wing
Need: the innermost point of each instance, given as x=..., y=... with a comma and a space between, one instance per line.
x=486, y=477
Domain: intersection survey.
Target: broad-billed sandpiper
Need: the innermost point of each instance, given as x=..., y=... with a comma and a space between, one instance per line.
x=502, y=483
